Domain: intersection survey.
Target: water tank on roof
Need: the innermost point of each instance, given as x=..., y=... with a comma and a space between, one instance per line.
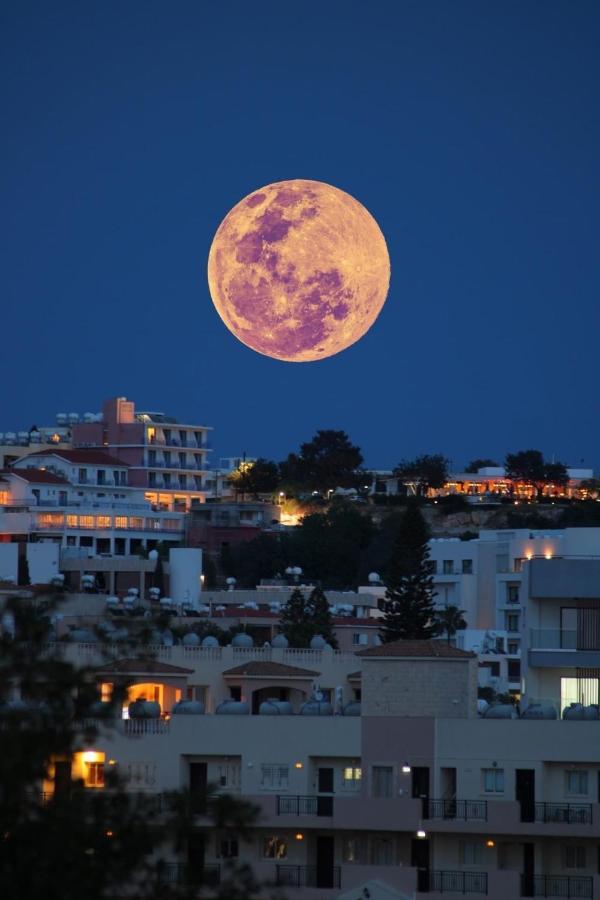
x=23, y=437
x=482, y=705
x=10, y=437
x=573, y=711
x=61, y=418
x=210, y=641
x=233, y=708
x=274, y=707
x=539, y=711
x=191, y=639
x=83, y=636
x=280, y=641
x=317, y=642
x=188, y=708
x=89, y=417
x=242, y=640
x=167, y=639
x=73, y=418
x=144, y=709
x=351, y=709
x=314, y=707
x=591, y=712
x=501, y=711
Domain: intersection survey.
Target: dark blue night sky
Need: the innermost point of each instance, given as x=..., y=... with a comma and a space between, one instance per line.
x=470, y=130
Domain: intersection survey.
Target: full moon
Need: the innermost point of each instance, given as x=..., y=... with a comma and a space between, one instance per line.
x=298, y=270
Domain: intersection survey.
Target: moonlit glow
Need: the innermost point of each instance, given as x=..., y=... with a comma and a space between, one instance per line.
x=298, y=270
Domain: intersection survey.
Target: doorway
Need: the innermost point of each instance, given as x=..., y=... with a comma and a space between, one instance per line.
x=419, y=860
x=325, y=860
x=525, y=793
x=528, y=885
x=198, y=781
x=325, y=786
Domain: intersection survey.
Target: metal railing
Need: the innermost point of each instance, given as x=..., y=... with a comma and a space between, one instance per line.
x=556, y=886
x=304, y=806
x=454, y=882
x=569, y=813
x=308, y=876
x=135, y=727
x=182, y=873
x=455, y=809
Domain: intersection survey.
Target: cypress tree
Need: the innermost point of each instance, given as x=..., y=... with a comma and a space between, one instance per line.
x=321, y=616
x=409, y=607
x=296, y=621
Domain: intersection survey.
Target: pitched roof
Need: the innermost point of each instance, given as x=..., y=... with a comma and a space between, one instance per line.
x=88, y=455
x=400, y=649
x=267, y=669
x=142, y=667
x=36, y=476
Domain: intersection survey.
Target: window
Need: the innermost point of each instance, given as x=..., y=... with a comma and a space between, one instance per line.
x=94, y=775
x=351, y=778
x=382, y=781
x=351, y=850
x=382, y=852
x=136, y=523
x=514, y=669
x=448, y=567
x=574, y=857
x=576, y=782
x=228, y=775
x=513, y=647
x=512, y=622
x=432, y=566
x=518, y=564
x=87, y=521
x=228, y=848
x=274, y=776
x=120, y=521
x=275, y=847
x=470, y=853
x=493, y=781
x=512, y=593
x=72, y=521
x=103, y=521
x=362, y=639
x=467, y=566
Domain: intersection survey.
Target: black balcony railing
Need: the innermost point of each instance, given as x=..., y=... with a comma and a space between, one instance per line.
x=455, y=809
x=304, y=806
x=182, y=873
x=308, y=876
x=556, y=886
x=569, y=813
x=450, y=882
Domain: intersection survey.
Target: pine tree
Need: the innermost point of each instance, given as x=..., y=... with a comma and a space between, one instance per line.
x=409, y=608
x=296, y=621
x=321, y=616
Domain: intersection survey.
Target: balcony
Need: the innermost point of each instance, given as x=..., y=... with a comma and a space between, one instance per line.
x=180, y=873
x=308, y=877
x=465, y=810
x=452, y=882
x=556, y=886
x=552, y=639
x=564, y=813
x=304, y=806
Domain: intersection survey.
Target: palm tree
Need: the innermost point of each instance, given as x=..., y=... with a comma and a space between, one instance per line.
x=449, y=620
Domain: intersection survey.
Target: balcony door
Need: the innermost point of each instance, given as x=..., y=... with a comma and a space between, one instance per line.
x=525, y=793
x=419, y=860
x=325, y=861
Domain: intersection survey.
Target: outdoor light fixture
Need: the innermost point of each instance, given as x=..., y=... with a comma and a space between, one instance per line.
x=298, y=765
x=406, y=769
x=491, y=844
x=421, y=833
x=299, y=836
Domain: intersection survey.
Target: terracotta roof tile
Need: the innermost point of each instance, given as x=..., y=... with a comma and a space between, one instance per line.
x=88, y=455
x=142, y=667
x=36, y=476
x=401, y=649
x=266, y=669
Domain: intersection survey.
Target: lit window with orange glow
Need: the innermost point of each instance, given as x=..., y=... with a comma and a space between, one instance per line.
x=106, y=689
x=89, y=766
x=3, y=498
x=121, y=522
x=87, y=521
x=103, y=521
x=72, y=521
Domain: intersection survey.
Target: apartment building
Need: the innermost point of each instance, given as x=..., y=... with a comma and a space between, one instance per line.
x=370, y=769
x=83, y=501
x=166, y=458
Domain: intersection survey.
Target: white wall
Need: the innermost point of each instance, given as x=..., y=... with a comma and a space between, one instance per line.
x=43, y=562
x=9, y=554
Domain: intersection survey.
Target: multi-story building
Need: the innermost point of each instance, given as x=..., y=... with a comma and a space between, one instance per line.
x=81, y=500
x=166, y=459
x=374, y=773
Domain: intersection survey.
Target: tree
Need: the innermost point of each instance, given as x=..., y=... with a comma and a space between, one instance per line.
x=296, y=620
x=258, y=477
x=23, y=577
x=449, y=620
x=251, y=561
x=158, y=577
x=530, y=467
x=476, y=464
x=424, y=472
x=73, y=841
x=325, y=463
x=408, y=606
x=320, y=612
